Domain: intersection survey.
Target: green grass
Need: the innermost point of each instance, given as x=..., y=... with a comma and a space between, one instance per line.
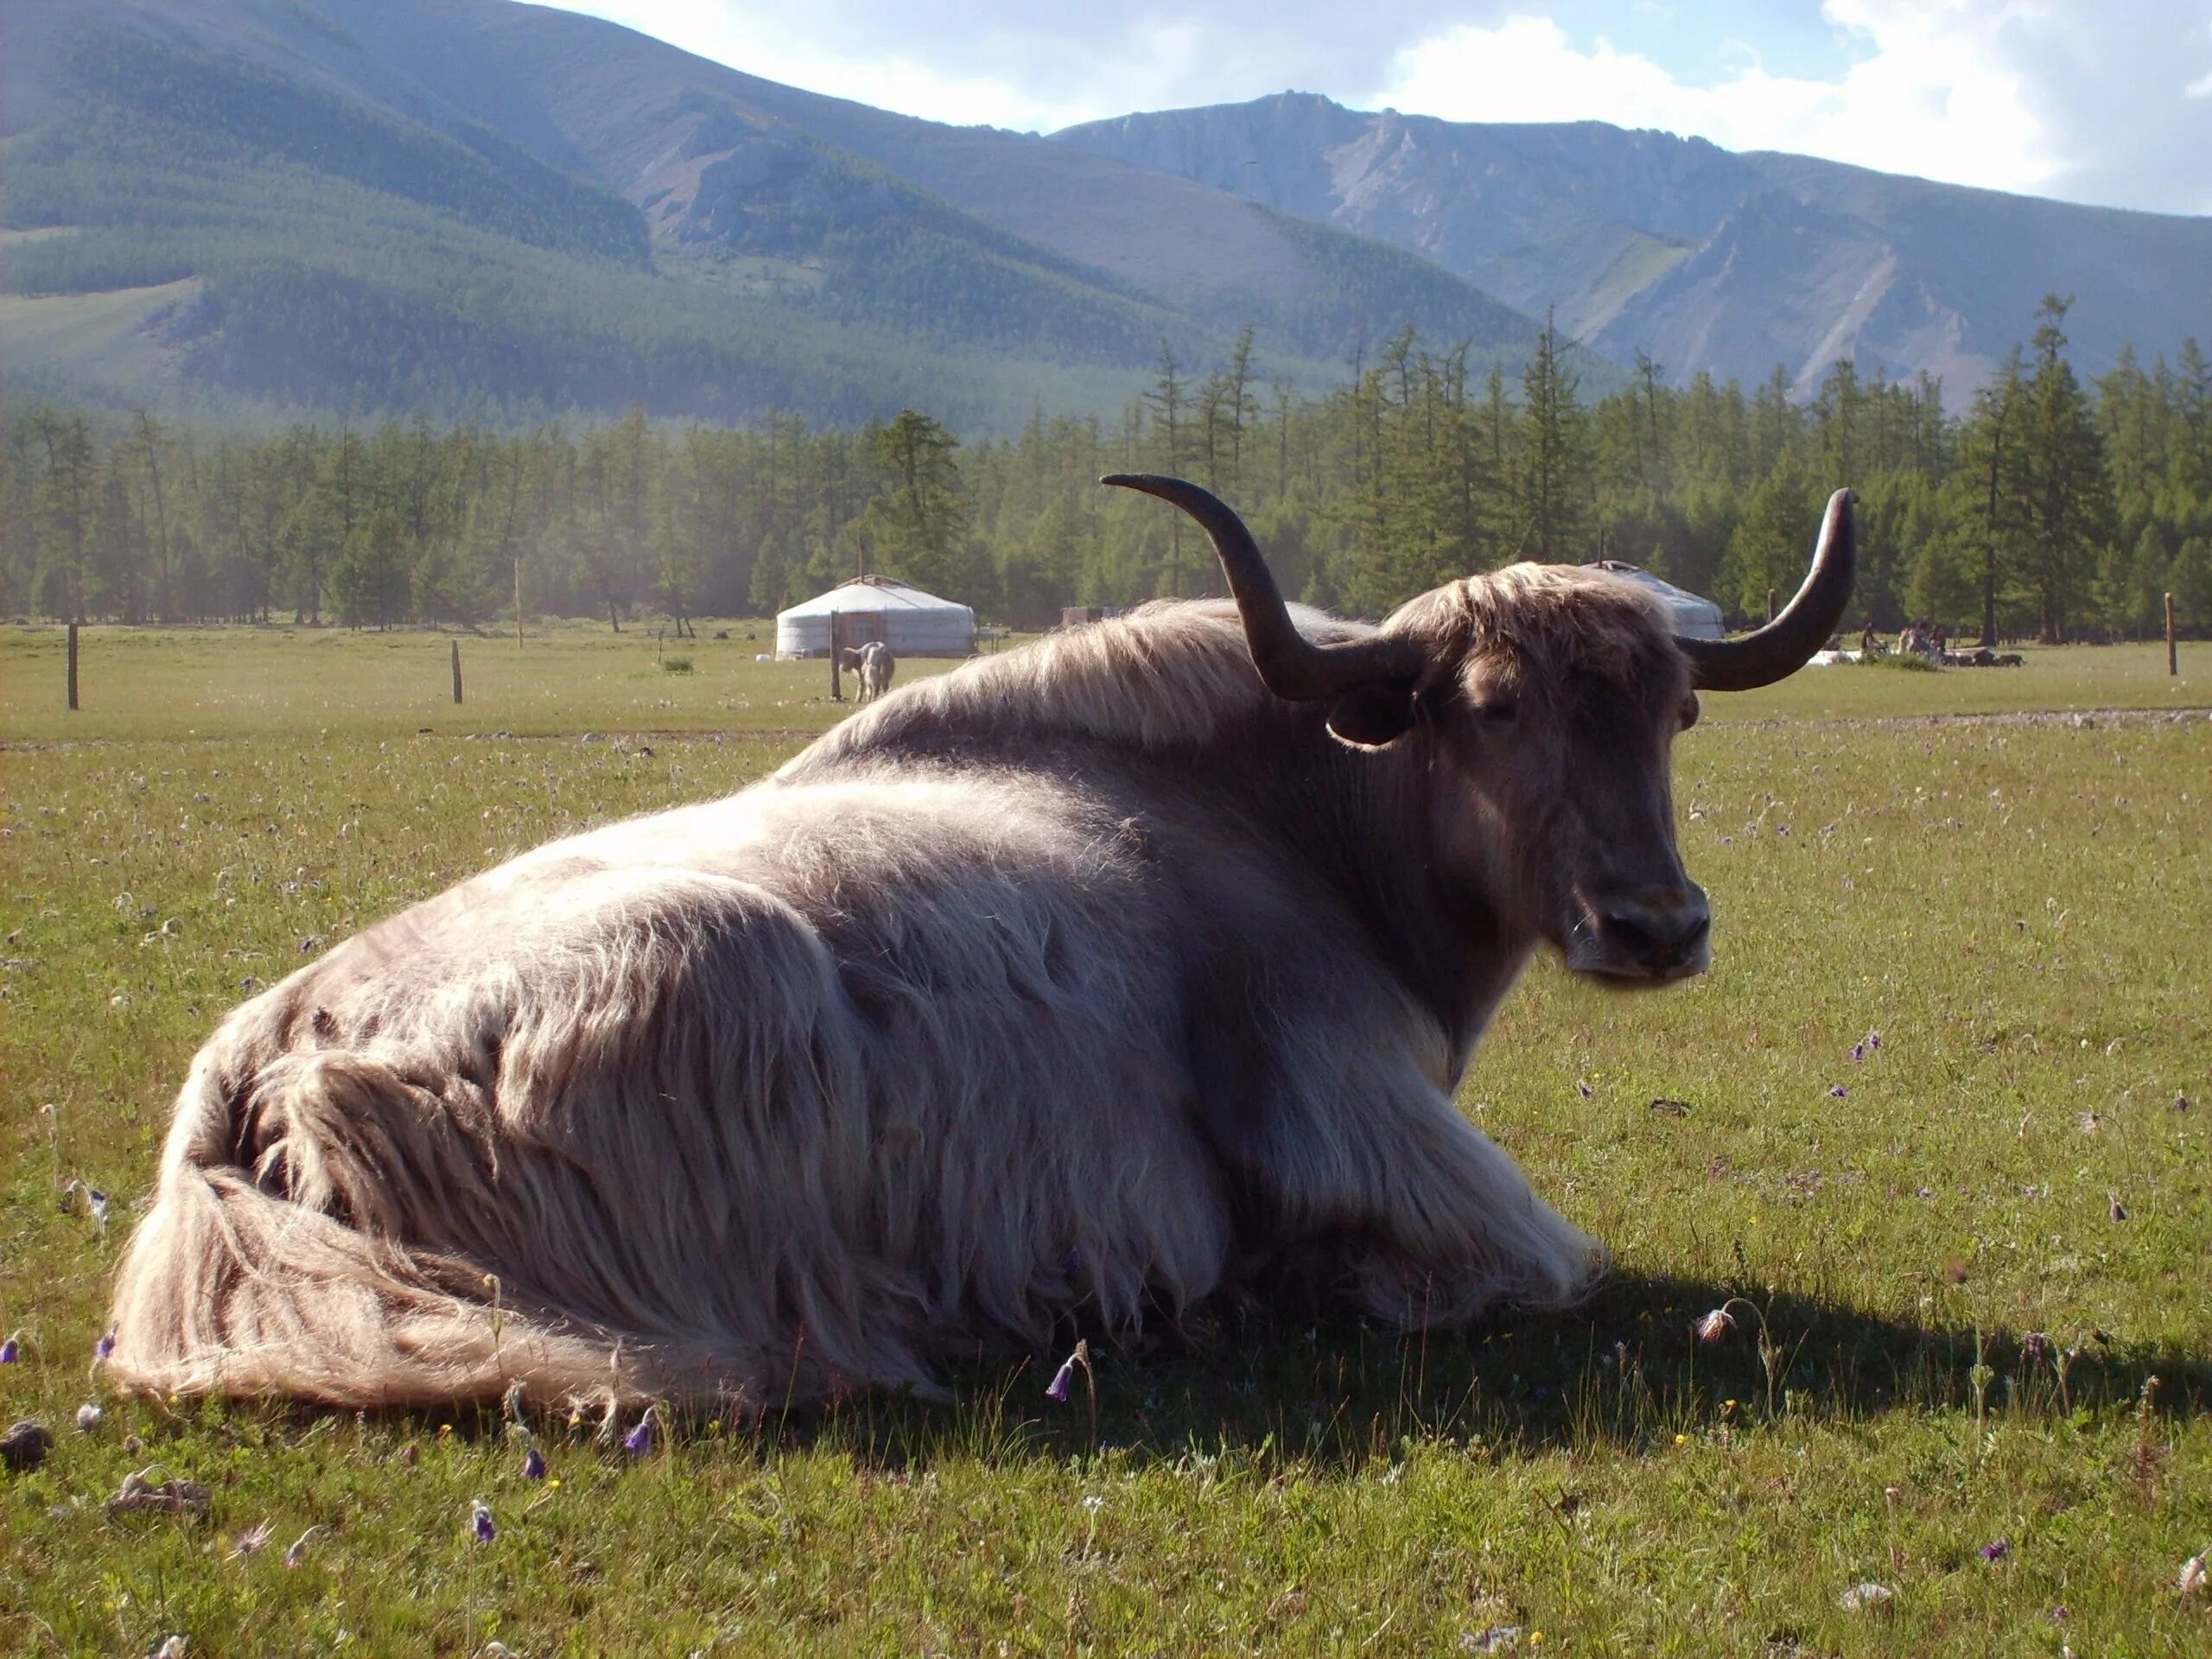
x=95, y=337
x=2019, y=906
x=571, y=676
x=314, y=683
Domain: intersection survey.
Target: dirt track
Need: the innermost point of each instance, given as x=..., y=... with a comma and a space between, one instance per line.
x=2079, y=718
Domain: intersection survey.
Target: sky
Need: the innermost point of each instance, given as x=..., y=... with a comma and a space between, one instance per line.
x=2103, y=101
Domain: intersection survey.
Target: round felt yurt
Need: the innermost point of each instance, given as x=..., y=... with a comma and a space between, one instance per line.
x=913, y=623
x=1694, y=617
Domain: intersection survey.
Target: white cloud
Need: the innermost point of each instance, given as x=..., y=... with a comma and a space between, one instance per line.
x=1927, y=100
x=774, y=44
x=2049, y=97
x=1029, y=65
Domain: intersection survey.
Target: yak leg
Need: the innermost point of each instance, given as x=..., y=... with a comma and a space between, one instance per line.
x=1429, y=1219
x=1447, y=1225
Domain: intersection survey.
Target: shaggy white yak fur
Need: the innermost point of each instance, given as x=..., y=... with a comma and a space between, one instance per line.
x=1008, y=1001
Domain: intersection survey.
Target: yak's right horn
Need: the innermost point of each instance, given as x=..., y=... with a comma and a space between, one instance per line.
x=1785, y=645
x=1290, y=665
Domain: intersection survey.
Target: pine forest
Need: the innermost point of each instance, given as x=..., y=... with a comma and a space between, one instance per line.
x=2044, y=508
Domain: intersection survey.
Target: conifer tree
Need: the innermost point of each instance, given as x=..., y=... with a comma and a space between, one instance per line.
x=1549, y=476
x=2069, y=497
x=1992, y=475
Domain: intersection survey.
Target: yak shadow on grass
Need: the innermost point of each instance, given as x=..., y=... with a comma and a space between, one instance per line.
x=1624, y=1369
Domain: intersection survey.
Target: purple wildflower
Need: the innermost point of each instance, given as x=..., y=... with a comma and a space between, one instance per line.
x=1837, y=1092
x=2118, y=1210
x=2035, y=1346
x=639, y=1441
x=97, y=1201
x=104, y=1350
x=479, y=1523
x=1874, y=1042
x=1584, y=1089
x=1858, y=1052
x=1715, y=1324
x=10, y=1351
x=533, y=1465
x=1995, y=1549
x=1056, y=1390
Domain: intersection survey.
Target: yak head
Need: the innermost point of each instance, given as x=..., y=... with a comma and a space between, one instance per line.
x=1541, y=704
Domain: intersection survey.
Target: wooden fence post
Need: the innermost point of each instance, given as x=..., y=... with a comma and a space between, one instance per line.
x=1770, y=604
x=836, y=654
x=73, y=652
x=2173, y=656
x=456, y=671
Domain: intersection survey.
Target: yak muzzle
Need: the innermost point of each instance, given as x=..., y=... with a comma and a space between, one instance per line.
x=1644, y=936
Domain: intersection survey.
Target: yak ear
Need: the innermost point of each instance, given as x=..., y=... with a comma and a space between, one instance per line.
x=1372, y=716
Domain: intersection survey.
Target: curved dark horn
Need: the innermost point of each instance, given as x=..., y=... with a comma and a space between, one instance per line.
x=1290, y=665
x=1781, y=647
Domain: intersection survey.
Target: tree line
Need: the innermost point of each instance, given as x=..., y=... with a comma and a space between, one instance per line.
x=2047, y=507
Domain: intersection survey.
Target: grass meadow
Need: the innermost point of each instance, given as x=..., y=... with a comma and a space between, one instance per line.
x=1970, y=1269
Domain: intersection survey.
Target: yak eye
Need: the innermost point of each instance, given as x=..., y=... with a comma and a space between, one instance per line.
x=1496, y=711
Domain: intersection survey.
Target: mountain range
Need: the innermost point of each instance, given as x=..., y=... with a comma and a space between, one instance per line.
x=476, y=208
x=1733, y=264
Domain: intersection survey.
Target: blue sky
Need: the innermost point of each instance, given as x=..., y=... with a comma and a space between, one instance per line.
x=2107, y=101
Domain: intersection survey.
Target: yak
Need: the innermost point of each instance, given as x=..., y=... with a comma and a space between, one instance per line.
x=1084, y=983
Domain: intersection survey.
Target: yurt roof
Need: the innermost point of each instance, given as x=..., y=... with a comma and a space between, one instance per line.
x=1692, y=614
x=871, y=594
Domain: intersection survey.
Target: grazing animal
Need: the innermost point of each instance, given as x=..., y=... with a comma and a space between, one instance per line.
x=877, y=666
x=874, y=665
x=1083, y=982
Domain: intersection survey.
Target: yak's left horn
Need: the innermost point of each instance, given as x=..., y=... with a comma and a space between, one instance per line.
x=1784, y=645
x=1290, y=665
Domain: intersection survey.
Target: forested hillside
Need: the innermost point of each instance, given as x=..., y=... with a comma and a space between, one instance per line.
x=2046, y=507
x=489, y=212
x=258, y=211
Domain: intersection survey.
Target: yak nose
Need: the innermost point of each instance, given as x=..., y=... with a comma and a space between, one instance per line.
x=1662, y=931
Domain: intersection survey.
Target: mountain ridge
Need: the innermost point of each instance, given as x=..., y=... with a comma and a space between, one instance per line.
x=1709, y=259
x=288, y=154
x=484, y=209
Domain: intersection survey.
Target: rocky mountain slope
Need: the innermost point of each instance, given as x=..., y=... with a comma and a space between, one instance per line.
x=1706, y=259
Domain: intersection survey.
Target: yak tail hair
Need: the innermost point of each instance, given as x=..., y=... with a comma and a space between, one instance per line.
x=230, y=1287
